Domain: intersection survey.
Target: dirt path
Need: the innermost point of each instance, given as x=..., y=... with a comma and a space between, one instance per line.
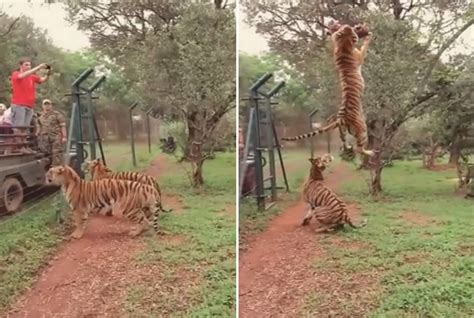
x=275, y=270
x=89, y=277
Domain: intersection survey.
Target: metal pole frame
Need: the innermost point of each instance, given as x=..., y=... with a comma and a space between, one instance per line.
x=311, y=141
x=148, y=129
x=92, y=125
x=77, y=124
x=132, y=132
x=271, y=137
x=260, y=195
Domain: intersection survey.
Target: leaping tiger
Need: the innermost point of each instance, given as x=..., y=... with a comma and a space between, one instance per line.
x=349, y=60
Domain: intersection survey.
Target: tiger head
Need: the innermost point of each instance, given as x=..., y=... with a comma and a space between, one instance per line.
x=318, y=165
x=96, y=167
x=346, y=36
x=60, y=175
x=326, y=159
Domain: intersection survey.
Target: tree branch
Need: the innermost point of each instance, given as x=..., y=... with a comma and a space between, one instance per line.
x=10, y=28
x=436, y=58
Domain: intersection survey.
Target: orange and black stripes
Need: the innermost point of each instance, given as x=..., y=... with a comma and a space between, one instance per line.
x=136, y=201
x=349, y=118
x=99, y=171
x=324, y=204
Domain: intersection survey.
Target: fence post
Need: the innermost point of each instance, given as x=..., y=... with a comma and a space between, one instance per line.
x=147, y=113
x=132, y=132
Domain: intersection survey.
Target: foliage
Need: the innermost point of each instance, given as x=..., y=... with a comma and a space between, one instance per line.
x=177, y=130
x=26, y=40
x=180, y=57
x=397, y=87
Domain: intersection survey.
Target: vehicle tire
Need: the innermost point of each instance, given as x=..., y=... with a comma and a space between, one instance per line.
x=11, y=194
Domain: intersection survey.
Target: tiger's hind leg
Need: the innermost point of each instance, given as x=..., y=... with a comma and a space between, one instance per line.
x=342, y=136
x=138, y=216
x=361, y=142
x=309, y=215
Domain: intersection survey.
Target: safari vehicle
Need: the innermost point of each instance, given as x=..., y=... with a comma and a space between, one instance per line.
x=19, y=172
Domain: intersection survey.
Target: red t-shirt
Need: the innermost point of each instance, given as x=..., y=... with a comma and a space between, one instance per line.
x=23, y=89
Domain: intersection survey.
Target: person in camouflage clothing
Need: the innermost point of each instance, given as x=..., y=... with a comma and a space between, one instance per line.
x=52, y=134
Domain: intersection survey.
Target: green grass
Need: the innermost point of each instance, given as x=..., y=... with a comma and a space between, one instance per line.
x=197, y=272
x=119, y=155
x=425, y=267
x=28, y=239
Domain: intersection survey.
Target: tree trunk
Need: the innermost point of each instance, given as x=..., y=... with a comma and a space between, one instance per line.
x=455, y=151
x=376, y=174
x=430, y=154
x=194, y=151
x=198, y=179
x=192, y=134
x=373, y=130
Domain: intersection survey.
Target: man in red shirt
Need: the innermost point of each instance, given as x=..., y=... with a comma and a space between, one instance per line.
x=23, y=84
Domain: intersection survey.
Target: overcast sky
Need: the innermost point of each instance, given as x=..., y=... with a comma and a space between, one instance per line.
x=253, y=43
x=50, y=17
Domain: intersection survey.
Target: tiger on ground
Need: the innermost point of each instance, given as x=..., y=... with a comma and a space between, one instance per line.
x=99, y=170
x=134, y=200
x=349, y=60
x=324, y=205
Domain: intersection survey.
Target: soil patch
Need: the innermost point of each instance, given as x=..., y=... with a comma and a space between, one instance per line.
x=90, y=277
x=276, y=275
x=443, y=167
x=417, y=218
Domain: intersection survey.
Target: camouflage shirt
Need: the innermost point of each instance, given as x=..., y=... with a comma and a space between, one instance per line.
x=51, y=122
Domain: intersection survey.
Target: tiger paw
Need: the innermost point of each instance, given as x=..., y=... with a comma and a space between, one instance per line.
x=305, y=221
x=135, y=232
x=369, y=153
x=77, y=234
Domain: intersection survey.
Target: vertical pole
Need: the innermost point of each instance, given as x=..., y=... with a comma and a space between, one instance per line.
x=148, y=129
x=100, y=141
x=258, y=154
x=311, y=141
x=257, y=147
x=274, y=142
x=78, y=133
x=328, y=134
x=277, y=143
x=70, y=134
x=77, y=117
x=90, y=125
x=132, y=132
x=248, y=145
x=270, y=145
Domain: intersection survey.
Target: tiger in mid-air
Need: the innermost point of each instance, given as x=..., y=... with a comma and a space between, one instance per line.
x=349, y=60
x=135, y=201
x=99, y=170
x=324, y=205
